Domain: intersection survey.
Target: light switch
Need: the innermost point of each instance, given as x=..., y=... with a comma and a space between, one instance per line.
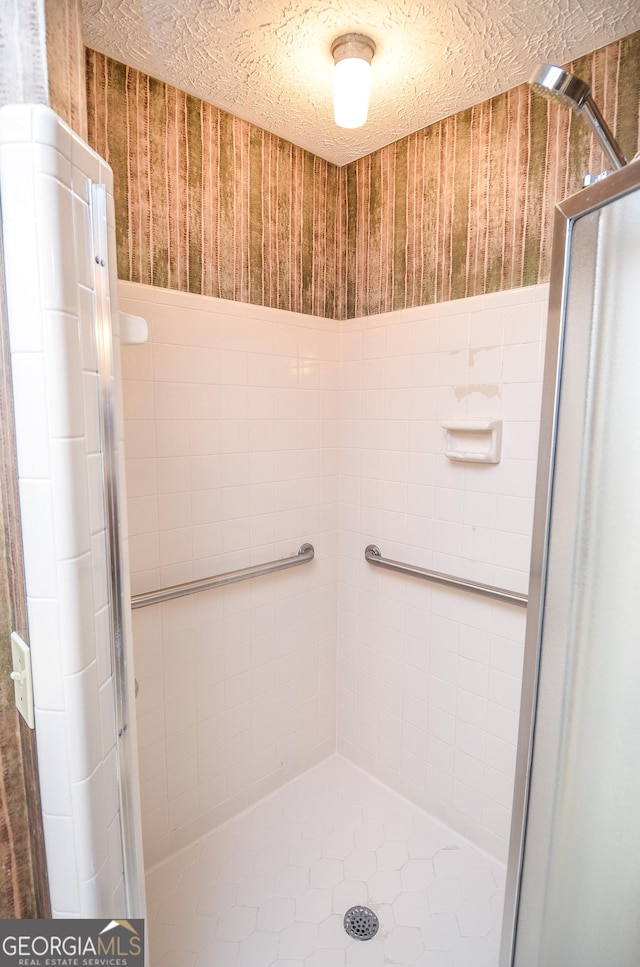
x=21, y=677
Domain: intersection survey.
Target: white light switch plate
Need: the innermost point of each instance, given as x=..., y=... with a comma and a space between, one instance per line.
x=21, y=676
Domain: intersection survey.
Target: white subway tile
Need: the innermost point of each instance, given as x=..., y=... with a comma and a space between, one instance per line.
x=141, y=477
x=17, y=169
x=471, y=708
x=171, y=363
x=516, y=478
x=82, y=231
x=82, y=714
x=521, y=401
x=76, y=614
x=44, y=640
x=525, y=323
x=467, y=800
x=24, y=309
x=47, y=131
x=178, y=740
x=90, y=824
x=504, y=689
x=454, y=333
x=30, y=408
x=155, y=826
x=138, y=399
x=71, y=498
x=475, y=644
x=53, y=765
x=62, y=864
x=441, y=724
x=514, y=514
x=469, y=770
x=440, y=755
x=63, y=376
x=500, y=755
x=486, y=328
x=507, y=656
x=498, y=787
x=473, y=677
x=38, y=540
x=502, y=723
x=497, y=819
x=58, y=282
x=137, y=361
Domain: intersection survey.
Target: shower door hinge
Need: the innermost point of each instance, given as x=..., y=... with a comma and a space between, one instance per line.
x=590, y=179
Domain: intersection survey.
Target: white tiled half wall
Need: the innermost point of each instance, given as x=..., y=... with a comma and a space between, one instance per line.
x=231, y=428
x=429, y=678
x=45, y=175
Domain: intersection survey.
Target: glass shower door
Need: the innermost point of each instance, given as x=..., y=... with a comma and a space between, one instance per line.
x=574, y=874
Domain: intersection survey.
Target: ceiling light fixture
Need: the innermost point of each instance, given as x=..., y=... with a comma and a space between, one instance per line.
x=352, y=54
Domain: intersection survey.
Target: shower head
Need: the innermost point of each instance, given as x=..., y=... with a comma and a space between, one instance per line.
x=558, y=85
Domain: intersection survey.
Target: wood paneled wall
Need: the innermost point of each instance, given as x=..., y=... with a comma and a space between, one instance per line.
x=208, y=203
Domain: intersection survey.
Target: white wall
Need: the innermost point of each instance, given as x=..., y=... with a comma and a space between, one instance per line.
x=231, y=440
x=429, y=678
x=45, y=176
x=232, y=419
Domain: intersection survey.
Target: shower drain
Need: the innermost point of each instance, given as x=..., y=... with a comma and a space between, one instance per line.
x=361, y=923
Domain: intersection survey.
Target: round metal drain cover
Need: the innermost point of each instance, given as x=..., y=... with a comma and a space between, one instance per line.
x=361, y=923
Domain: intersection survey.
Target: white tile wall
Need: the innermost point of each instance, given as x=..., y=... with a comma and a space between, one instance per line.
x=232, y=459
x=45, y=173
x=236, y=416
x=429, y=678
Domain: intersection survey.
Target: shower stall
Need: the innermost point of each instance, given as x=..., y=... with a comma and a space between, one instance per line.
x=416, y=685
x=328, y=540
x=376, y=711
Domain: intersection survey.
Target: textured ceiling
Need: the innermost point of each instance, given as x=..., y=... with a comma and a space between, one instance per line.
x=269, y=61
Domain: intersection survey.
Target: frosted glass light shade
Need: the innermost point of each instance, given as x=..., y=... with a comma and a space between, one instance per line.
x=352, y=54
x=351, y=89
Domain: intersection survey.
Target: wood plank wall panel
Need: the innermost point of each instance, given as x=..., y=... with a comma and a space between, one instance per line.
x=465, y=206
x=24, y=889
x=65, y=63
x=208, y=203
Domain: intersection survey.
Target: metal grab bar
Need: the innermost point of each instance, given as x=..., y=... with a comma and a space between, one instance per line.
x=305, y=553
x=372, y=554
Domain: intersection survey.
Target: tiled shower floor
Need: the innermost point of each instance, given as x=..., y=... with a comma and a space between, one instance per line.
x=271, y=887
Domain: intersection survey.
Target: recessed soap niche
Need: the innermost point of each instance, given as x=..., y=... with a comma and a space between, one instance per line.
x=474, y=441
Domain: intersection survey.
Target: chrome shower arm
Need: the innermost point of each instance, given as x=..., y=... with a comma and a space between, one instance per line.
x=557, y=84
x=603, y=133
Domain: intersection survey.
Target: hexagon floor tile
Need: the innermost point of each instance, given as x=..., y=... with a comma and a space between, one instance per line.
x=271, y=887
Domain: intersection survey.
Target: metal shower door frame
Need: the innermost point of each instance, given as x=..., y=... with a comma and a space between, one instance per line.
x=118, y=601
x=567, y=213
